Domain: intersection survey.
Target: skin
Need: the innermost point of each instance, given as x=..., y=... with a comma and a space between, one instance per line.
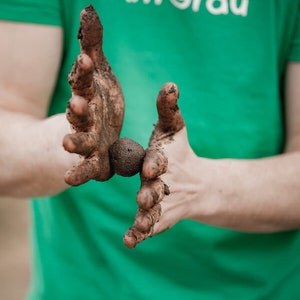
x=260, y=195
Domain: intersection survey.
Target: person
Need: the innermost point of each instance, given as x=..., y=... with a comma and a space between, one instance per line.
x=233, y=166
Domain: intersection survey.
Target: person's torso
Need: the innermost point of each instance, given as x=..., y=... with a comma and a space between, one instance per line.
x=227, y=58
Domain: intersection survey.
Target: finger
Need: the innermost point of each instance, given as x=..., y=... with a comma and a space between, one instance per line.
x=155, y=163
x=145, y=219
x=78, y=113
x=143, y=227
x=133, y=237
x=169, y=117
x=81, y=77
x=82, y=143
x=90, y=34
x=151, y=193
x=88, y=169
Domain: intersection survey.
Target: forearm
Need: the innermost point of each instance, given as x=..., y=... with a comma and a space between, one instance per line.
x=33, y=161
x=260, y=195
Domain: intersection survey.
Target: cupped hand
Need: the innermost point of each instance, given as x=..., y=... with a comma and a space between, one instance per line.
x=96, y=109
x=167, y=158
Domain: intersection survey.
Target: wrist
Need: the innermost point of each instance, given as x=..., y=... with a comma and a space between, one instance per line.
x=203, y=190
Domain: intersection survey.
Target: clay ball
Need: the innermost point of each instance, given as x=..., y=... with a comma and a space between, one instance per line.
x=126, y=157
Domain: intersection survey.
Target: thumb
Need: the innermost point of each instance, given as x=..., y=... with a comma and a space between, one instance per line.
x=170, y=119
x=90, y=34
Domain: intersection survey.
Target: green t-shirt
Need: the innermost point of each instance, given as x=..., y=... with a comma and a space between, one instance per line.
x=228, y=58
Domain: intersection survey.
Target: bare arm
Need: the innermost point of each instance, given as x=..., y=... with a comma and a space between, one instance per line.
x=260, y=195
x=263, y=195
x=32, y=160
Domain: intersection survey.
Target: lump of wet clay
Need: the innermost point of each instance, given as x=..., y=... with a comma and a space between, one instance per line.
x=126, y=157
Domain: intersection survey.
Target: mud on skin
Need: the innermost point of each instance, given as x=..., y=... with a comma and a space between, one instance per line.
x=153, y=190
x=96, y=111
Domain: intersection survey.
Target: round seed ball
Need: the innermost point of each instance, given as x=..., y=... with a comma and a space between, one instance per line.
x=126, y=157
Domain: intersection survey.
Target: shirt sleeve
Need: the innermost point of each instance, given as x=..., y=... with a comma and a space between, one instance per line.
x=47, y=12
x=294, y=53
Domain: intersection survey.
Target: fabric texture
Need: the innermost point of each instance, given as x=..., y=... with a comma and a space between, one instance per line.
x=228, y=59
x=33, y=11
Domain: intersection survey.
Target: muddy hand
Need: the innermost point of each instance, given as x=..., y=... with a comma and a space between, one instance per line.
x=153, y=190
x=96, y=108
